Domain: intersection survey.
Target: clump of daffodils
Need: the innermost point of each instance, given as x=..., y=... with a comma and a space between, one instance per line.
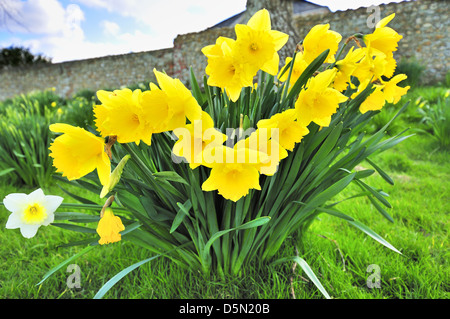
x=133, y=116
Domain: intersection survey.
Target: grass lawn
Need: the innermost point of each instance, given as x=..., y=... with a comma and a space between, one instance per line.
x=338, y=253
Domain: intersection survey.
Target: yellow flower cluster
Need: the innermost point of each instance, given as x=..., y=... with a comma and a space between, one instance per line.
x=232, y=64
x=133, y=116
x=369, y=64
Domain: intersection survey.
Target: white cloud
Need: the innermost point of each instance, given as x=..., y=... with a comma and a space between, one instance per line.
x=76, y=47
x=161, y=22
x=109, y=27
x=42, y=17
x=351, y=4
x=59, y=32
x=172, y=17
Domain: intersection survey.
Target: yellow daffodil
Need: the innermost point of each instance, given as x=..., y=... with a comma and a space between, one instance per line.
x=297, y=69
x=78, y=152
x=372, y=66
x=257, y=44
x=392, y=92
x=29, y=212
x=195, y=137
x=168, y=105
x=109, y=227
x=383, y=38
x=318, y=102
x=260, y=140
x=122, y=115
x=225, y=70
x=385, y=92
x=390, y=66
x=375, y=101
x=234, y=171
x=290, y=131
x=345, y=68
x=319, y=39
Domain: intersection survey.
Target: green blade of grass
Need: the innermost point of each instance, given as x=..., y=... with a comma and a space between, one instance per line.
x=374, y=235
x=106, y=287
x=307, y=269
x=65, y=262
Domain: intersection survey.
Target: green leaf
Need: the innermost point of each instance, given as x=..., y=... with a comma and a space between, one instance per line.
x=307, y=73
x=6, y=171
x=380, y=209
x=75, y=216
x=330, y=192
x=335, y=213
x=182, y=213
x=77, y=228
x=84, y=242
x=309, y=272
x=329, y=143
x=154, y=212
x=382, y=173
x=374, y=235
x=375, y=193
x=196, y=92
x=170, y=176
x=253, y=223
x=106, y=287
x=364, y=173
x=131, y=227
x=392, y=142
x=95, y=207
x=79, y=198
x=67, y=261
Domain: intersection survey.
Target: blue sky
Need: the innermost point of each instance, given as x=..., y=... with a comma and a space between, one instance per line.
x=78, y=29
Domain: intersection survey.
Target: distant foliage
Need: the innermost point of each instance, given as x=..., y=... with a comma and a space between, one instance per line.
x=436, y=120
x=413, y=69
x=25, y=137
x=24, y=142
x=18, y=56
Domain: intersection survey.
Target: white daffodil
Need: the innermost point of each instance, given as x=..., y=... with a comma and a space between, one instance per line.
x=29, y=212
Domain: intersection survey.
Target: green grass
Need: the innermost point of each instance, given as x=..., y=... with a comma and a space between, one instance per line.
x=337, y=252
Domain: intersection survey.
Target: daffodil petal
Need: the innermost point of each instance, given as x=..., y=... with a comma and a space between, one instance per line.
x=383, y=22
x=29, y=231
x=14, y=221
x=15, y=202
x=260, y=21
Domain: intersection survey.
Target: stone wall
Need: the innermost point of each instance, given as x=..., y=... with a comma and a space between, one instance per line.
x=187, y=52
x=99, y=73
x=424, y=25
